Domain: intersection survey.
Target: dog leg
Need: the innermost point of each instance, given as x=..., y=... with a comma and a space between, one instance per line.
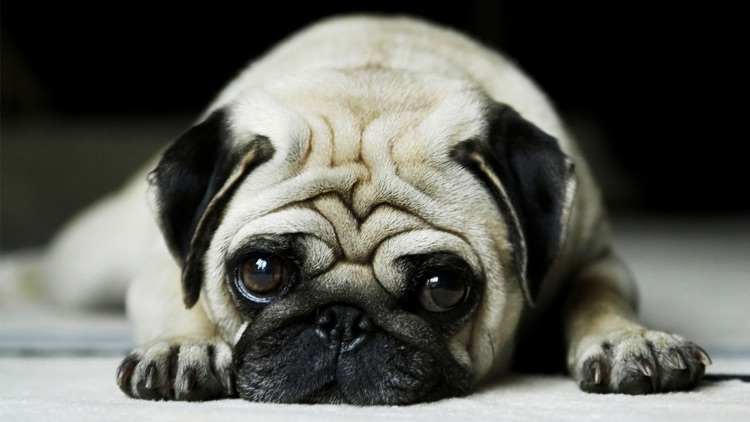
x=609, y=352
x=181, y=357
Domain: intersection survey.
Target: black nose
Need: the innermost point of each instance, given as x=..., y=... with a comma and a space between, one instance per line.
x=343, y=326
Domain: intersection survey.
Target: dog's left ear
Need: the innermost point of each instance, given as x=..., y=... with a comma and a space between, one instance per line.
x=533, y=182
x=195, y=178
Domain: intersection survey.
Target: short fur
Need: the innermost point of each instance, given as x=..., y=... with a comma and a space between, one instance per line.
x=368, y=155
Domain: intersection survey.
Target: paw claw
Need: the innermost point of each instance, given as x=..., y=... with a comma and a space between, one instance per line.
x=645, y=367
x=151, y=377
x=675, y=361
x=596, y=372
x=124, y=372
x=701, y=356
x=229, y=383
x=188, y=381
x=593, y=375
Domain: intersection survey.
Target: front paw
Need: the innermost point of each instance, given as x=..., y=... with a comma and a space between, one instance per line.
x=638, y=362
x=175, y=369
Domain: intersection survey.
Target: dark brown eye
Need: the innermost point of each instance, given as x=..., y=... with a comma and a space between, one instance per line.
x=443, y=292
x=261, y=275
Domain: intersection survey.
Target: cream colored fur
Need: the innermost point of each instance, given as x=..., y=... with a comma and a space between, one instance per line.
x=368, y=109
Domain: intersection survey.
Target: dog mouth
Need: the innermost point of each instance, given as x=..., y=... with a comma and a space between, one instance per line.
x=340, y=357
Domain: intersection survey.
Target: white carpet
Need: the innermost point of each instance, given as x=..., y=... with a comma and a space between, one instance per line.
x=83, y=389
x=59, y=364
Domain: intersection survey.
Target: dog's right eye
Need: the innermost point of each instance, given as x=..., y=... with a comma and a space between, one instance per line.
x=261, y=276
x=443, y=292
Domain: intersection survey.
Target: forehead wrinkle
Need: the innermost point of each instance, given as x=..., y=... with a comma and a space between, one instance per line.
x=386, y=221
x=292, y=219
x=360, y=238
x=332, y=207
x=337, y=128
x=321, y=143
x=255, y=199
x=346, y=133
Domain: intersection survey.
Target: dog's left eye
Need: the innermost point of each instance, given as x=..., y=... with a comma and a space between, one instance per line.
x=443, y=292
x=260, y=276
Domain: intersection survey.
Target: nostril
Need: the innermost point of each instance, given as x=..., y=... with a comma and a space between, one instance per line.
x=365, y=324
x=324, y=318
x=325, y=322
x=353, y=343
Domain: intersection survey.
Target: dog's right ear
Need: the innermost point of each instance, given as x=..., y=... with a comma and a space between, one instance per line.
x=191, y=185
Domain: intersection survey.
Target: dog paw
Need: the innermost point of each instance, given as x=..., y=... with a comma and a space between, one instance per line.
x=639, y=362
x=176, y=370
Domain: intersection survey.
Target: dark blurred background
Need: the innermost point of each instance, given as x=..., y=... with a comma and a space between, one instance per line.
x=656, y=93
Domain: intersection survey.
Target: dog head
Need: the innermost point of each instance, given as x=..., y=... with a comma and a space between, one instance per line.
x=365, y=236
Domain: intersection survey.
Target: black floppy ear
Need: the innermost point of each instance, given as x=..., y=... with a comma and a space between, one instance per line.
x=533, y=182
x=195, y=178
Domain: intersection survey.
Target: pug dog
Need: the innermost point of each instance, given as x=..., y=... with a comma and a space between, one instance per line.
x=380, y=210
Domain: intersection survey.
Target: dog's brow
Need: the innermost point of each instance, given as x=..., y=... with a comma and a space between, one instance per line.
x=360, y=236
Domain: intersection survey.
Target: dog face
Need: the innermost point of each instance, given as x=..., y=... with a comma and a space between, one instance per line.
x=363, y=236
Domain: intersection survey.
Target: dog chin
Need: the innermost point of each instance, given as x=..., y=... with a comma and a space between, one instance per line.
x=298, y=364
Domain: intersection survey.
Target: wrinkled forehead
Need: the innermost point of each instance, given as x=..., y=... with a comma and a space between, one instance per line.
x=329, y=118
x=358, y=149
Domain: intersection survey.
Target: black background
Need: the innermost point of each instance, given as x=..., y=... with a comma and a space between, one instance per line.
x=665, y=85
